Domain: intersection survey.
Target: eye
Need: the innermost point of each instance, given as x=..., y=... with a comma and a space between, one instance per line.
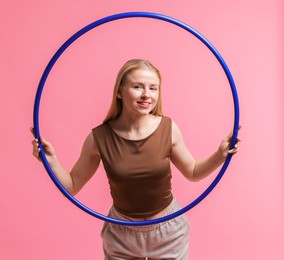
x=137, y=86
x=153, y=88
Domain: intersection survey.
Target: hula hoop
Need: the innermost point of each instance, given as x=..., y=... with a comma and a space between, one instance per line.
x=66, y=45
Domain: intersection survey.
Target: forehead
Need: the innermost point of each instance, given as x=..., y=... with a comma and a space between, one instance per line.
x=143, y=76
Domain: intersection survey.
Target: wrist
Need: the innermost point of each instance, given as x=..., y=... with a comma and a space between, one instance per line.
x=221, y=155
x=52, y=161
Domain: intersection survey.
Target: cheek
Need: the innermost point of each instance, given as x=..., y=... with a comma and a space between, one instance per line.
x=130, y=96
x=156, y=96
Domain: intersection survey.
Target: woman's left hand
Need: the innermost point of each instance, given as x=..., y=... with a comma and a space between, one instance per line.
x=224, y=148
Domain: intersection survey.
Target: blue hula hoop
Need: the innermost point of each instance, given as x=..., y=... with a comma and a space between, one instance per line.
x=53, y=61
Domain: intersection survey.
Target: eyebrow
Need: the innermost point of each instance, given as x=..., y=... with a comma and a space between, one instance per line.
x=140, y=83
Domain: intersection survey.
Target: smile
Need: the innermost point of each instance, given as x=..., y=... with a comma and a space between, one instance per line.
x=144, y=104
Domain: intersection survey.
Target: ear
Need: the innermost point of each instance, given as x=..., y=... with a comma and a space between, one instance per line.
x=119, y=95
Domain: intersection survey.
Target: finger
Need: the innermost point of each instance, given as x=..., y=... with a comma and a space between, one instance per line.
x=36, y=147
x=44, y=142
x=238, y=140
x=34, y=141
x=36, y=152
x=37, y=156
x=234, y=150
x=239, y=128
x=32, y=131
x=229, y=137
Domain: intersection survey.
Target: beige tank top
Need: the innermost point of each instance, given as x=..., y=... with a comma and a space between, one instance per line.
x=138, y=171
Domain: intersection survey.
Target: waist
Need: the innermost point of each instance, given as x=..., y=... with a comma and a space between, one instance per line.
x=172, y=207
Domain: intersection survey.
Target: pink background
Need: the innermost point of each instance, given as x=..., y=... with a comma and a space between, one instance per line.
x=242, y=218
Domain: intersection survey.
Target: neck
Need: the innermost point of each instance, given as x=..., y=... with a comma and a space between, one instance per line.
x=137, y=127
x=135, y=123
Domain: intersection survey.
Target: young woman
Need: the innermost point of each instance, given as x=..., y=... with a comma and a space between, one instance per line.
x=136, y=144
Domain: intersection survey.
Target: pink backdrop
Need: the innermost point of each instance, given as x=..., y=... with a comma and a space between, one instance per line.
x=242, y=218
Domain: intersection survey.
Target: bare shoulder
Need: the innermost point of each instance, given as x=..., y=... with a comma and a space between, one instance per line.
x=176, y=133
x=90, y=145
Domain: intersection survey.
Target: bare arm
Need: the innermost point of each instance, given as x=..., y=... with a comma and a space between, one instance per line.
x=192, y=169
x=82, y=171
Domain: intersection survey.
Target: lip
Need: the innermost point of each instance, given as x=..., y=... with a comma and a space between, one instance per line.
x=144, y=104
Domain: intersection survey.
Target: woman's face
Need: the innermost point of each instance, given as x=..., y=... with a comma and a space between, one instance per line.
x=139, y=92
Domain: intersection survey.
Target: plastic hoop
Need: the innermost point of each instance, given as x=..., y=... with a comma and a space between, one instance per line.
x=53, y=61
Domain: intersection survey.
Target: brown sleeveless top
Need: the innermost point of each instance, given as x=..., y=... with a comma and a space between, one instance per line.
x=138, y=171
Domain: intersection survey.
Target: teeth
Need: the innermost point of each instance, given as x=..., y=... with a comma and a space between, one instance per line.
x=144, y=104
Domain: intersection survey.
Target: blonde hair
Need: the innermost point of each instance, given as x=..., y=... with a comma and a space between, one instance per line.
x=116, y=104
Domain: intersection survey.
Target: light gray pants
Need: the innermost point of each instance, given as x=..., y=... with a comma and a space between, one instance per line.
x=166, y=240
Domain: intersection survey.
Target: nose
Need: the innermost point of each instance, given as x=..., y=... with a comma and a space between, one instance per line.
x=145, y=93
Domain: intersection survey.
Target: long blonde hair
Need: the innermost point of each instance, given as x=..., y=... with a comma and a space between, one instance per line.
x=116, y=104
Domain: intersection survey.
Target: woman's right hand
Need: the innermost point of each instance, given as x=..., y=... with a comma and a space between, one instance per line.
x=82, y=171
x=47, y=147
